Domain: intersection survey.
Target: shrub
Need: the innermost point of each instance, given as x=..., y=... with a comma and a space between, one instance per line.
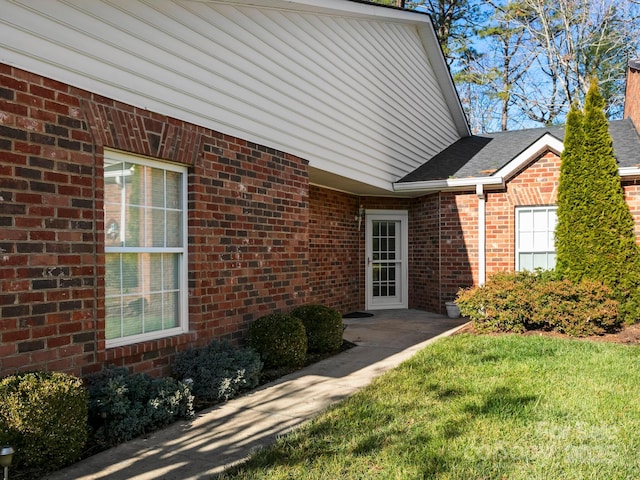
x=43, y=415
x=219, y=370
x=577, y=309
x=323, y=326
x=280, y=340
x=502, y=304
x=123, y=406
x=519, y=301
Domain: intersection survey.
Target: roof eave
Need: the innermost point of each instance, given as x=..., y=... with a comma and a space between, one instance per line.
x=450, y=184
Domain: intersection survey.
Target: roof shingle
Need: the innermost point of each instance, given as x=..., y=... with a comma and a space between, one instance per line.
x=483, y=155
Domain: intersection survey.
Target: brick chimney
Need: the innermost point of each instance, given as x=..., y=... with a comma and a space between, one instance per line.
x=632, y=93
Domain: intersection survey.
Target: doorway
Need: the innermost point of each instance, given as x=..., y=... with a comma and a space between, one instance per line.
x=386, y=259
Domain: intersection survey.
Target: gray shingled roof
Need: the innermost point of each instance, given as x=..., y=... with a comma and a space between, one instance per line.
x=635, y=64
x=483, y=155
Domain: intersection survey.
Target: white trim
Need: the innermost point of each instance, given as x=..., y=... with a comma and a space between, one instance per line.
x=403, y=282
x=629, y=171
x=452, y=184
x=543, y=144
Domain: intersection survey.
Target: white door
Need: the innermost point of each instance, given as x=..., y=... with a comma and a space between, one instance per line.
x=386, y=259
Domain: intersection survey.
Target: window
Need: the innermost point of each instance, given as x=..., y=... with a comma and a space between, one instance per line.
x=145, y=252
x=535, y=247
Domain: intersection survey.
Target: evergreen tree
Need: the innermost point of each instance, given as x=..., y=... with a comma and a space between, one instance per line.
x=595, y=235
x=572, y=201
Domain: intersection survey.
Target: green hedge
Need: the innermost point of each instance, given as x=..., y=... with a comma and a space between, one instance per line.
x=43, y=416
x=519, y=301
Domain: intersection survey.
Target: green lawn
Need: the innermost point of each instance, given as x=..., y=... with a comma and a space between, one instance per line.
x=478, y=407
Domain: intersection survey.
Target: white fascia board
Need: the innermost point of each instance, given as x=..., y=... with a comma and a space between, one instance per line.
x=331, y=7
x=629, y=171
x=430, y=186
x=543, y=144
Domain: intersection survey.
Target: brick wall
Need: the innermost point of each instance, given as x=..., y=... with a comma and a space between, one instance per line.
x=631, y=189
x=49, y=219
x=458, y=243
x=336, y=250
x=632, y=94
x=248, y=227
x=424, y=253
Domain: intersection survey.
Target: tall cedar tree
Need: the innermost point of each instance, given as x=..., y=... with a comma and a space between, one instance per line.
x=595, y=233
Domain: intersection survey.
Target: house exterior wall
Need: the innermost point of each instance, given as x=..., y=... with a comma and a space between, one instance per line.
x=247, y=227
x=335, y=250
x=632, y=94
x=424, y=253
x=535, y=186
x=458, y=244
x=322, y=80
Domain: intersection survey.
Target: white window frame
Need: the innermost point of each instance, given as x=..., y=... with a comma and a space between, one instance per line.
x=182, y=251
x=519, y=250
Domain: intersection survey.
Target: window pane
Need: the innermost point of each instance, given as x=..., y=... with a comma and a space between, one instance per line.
x=540, y=260
x=130, y=274
x=526, y=261
x=171, y=271
x=174, y=190
x=153, y=315
x=526, y=241
x=526, y=221
x=113, y=318
x=170, y=309
x=134, y=226
x=155, y=274
x=540, y=241
x=157, y=228
x=540, y=220
x=174, y=228
x=157, y=188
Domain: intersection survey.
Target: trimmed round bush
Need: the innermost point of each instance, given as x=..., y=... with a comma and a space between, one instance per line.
x=43, y=416
x=280, y=340
x=323, y=326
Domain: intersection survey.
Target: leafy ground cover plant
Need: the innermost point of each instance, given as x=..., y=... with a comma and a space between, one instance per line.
x=123, y=406
x=218, y=371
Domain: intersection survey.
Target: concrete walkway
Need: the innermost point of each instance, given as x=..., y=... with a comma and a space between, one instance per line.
x=226, y=434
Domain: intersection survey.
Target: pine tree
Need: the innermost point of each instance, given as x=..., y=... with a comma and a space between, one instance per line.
x=595, y=233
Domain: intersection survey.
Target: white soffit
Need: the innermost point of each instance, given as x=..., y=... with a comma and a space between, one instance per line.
x=346, y=86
